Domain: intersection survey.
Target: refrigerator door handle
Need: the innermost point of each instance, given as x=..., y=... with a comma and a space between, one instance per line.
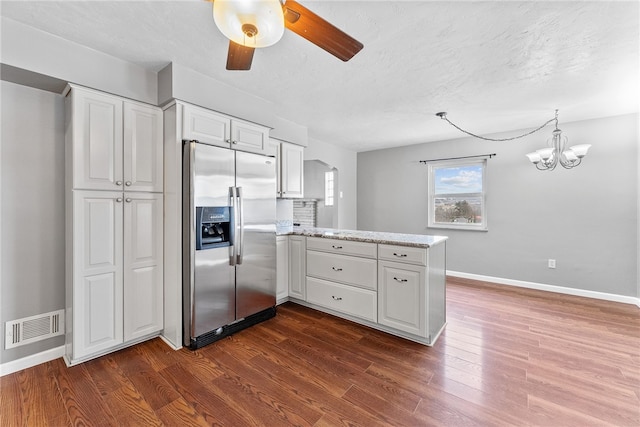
x=240, y=239
x=232, y=247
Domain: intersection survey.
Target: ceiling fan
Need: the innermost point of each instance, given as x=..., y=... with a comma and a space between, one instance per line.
x=251, y=24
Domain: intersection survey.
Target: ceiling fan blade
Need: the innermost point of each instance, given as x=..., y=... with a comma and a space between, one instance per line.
x=239, y=57
x=307, y=24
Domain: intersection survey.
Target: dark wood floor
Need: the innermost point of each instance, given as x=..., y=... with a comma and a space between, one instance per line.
x=509, y=357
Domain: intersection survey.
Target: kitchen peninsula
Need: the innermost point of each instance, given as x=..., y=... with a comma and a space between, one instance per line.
x=388, y=281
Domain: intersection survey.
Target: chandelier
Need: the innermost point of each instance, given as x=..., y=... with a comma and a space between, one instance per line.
x=544, y=158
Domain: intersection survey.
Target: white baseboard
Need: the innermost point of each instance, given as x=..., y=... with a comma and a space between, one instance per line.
x=169, y=343
x=32, y=360
x=549, y=288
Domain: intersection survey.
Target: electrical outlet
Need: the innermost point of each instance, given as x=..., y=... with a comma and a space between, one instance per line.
x=552, y=263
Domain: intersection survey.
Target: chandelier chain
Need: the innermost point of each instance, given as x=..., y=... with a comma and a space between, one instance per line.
x=443, y=116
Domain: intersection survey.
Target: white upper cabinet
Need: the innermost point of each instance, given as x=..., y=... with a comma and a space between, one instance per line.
x=116, y=144
x=217, y=129
x=250, y=137
x=291, y=171
x=206, y=126
x=142, y=148
x=96, y=121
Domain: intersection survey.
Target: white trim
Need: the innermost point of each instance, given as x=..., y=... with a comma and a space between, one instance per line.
x=549, y=288
x=31, y=360
x=169, y=343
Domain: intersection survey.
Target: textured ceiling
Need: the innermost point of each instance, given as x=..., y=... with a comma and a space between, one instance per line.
x=492, y=65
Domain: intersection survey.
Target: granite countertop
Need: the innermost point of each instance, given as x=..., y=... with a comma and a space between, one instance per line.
x=415, y=240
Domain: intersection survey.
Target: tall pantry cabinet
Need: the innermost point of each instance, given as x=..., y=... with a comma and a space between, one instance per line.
x=114, y=223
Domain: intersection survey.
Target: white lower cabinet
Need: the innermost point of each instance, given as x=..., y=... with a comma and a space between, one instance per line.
x=282, y=268
x=142, y=264
x=394, y=288
x=97, y=286
x=401, y=297
x=115, y=294
x=297, y=267
x=345, y=269
x=345, y=299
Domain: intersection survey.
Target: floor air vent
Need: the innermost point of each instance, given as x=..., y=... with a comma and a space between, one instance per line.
x=35, y=328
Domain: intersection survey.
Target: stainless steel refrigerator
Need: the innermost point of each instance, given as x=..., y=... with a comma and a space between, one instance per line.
x=229, y=241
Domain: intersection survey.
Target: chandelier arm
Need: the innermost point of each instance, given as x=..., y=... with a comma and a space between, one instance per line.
x=443, y=116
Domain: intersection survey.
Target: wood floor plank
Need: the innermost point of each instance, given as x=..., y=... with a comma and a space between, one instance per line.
x=331, y=406
x=131, y=408
x=293, y=407
x=12, y=410
x=508, y=357
x=81, y=397
x=204, y=400
x=180, y=413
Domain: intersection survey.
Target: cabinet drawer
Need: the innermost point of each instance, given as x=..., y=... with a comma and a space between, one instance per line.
x=406, y=254
x=345, y=247
x=345, y=299
x=345, y=269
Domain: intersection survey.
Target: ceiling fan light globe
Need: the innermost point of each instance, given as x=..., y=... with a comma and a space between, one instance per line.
x=264, y=15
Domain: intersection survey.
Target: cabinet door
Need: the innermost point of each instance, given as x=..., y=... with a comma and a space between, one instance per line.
x=142, y=147
x=273, y=149
x=282, y=268
x=97, y=277
x=97, y=140
x=206, y=126
x=292, y=166
x=250, y=137
x=297, y=267
x=402, y=297
x=142, y=265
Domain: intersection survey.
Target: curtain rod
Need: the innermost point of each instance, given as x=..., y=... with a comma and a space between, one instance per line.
x=458, y=158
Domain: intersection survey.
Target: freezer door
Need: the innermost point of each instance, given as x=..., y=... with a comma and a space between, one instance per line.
x=256, y=241
x=209, y=277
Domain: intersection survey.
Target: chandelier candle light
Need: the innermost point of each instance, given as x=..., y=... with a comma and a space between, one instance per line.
x=544, y=158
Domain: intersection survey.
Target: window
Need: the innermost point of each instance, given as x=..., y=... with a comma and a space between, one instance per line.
x=457, y=192
x=328, y=188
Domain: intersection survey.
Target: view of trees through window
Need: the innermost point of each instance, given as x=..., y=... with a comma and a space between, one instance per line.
x=457, y=194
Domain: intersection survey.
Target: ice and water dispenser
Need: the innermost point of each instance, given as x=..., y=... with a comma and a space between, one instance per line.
x=213, y=227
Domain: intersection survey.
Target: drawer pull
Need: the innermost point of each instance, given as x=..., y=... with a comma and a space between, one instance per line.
x=336, y=298
x=336, y=247
x=400, y=255
x=399, y=280
x=336, y=269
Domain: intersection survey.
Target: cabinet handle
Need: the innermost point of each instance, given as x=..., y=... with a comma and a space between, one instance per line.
x=119, y=199
x=118, y=183
x=128, y=183
x=336, y=247
x=228, y=141
x=234, y=142
x=400, y=255
x=399, y=280
x=336, y=298
x=336, y=269
x=128, y=200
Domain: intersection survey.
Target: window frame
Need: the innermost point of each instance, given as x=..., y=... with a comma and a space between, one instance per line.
x=329, y=188
x=432, y=196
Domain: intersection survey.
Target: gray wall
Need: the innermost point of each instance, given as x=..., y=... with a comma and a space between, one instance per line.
x=585, y=218
x=314, y=181
x=32, y=209
x=346, y=162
